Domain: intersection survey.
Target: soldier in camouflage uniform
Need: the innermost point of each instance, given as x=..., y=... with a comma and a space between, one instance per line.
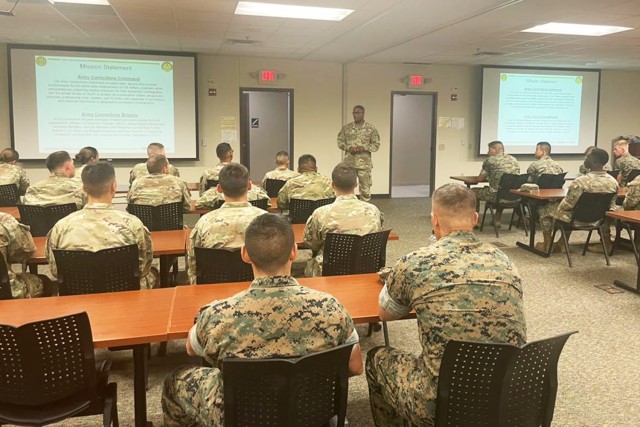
x=86, y=156
x=214, y=195
x=358, y=140
x=309, y=185
x=16, y=245
x=596, y=181
x=159, y=188
x=583, y=169
x=460, y=288
x=625, y=162
x=346, y=215
x=224, y=227
x=274, y=317
x=544, y=164
x=282, y=171
x=60, y=188
x=99, y=226
x=632, y=198
x=225, y=155
x=141, y=168
x=10, y=173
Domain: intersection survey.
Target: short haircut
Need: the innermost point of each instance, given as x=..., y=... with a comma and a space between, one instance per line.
x=222, y=150
x=619, y=140
x=358, y=107
x=306, y=159
x=57, y=159
x=282, y=157
x=545, y=146
x=588, y=150
x=455, y=198
x=156, y=163
x=9, y=155
x=344, y=177
x=86, y=154
x=268, y=240
x=597, y=157
x=154, y=148
x=496, y=144
x=97, y=179
x=234, y=179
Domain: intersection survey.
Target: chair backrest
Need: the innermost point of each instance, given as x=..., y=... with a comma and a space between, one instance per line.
x=498, y=384
x=508, y=182
x=5, y=283
x=47, y=361
x=108, y=270
x=221, y=266
x=211, y=183
x=260, y=203
x=354, y=254
x=9, y=195
x=633, y=175
x=301, y=209
x=273, y=186
x=159, y=218
x=308, y=391
x=41, y=219
x=591, y=207
x=614, y=173
x=547, y=180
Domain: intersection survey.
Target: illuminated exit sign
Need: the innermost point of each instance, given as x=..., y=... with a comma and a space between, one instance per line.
x=267, y=76
x=416, y=81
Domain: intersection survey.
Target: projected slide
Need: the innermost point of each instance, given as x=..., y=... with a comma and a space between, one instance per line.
x=536, y=104
x=119, y=102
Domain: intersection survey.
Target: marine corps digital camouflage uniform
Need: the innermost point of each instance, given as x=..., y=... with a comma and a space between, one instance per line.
x=632, y=198
x=211, y=173
x=99, y=226
x=141, y=169
x=346, y=215
x=220, y=229
x=251, y=324
x=626, y=163
x=461, y=289
x=366, y=135
x=307, y=186
x=209, y=198
x=56, y=190
x=159, y=189
x=544, y=165
x=493, y=168
x=12, y=174
x=16, y=245
x=281, y=174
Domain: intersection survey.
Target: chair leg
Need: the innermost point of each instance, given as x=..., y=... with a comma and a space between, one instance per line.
x=513, y=214
x=633, y=242
x=616, y=241
x=484, y=215
x=566, y=246
x=586, y=244
x=162, y=349
x=604, y=248
x=385, y=332
x=553, y=238
x=524, y=220
x=493, y=218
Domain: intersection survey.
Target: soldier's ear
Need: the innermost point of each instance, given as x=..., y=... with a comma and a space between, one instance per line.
x=249, y=185
x=245, y=255
x=294, y=252
x=219, y=188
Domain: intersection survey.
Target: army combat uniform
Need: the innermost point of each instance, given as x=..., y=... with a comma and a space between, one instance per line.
x=460, y=288
x=632, y=198
x=583, y=169
x=211, y=173
x=141, y=169
x=365, y=135
x=626, y=163
x=251, y=324
x=12, y=174
x=544, y=165
x=98, y=226
x=210, y=197
x=220, y=229
x=493, y=168
x=159, y=189
x=56, y=190
x=16, y=245
x=346, y=215
x=281, y=174
x=307, y=186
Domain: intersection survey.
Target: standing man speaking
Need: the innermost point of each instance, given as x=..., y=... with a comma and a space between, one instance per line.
x=358, y=140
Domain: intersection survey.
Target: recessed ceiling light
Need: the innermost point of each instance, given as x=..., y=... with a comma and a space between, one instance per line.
x=291, y=11
x=94, y=2
x=575, y=29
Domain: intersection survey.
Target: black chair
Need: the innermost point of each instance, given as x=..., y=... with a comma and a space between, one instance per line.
x=260, y=203
x=108, y=270
x=588, y=215
x=308, y=391
x=353, y=254
x=41, y=219
x=547, y=180
x=633, y=175
x=211, y=183
x=614, y=173
x=49, y=373
x=5, y=282
x=159, y=218
x=221, y=266
x=273, y=186
x=507, y=200
x=9, y=195
x=501, y=385
x=301, y=209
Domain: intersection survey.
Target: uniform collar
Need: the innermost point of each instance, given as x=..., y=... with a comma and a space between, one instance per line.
x=98, y=206
x=461, y=235
x=227, y=205
x=274, y=282
x=347, y=197
x=59, y=175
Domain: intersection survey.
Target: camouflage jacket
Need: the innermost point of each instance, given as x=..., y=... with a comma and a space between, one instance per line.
x=209, y=198
x=12, y=174
x=211, y=173
x=626, y=164
x=16, y=246
x=632, y=199
x=283, y=174
x=495, y=166
x=545, y=165
x=308, y=186
x=141, y=169
x=159, y=189
x=366, y=136
x=56, y=190
x=593, y=182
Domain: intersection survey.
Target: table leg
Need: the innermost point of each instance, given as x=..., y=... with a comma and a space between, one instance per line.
x=531, y=247
x=625, y=285
x=139, y=384
x=165, y=266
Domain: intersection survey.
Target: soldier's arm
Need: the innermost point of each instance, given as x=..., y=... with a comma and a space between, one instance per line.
x=145, y=251
x=203, y=183
x=186, y=197
x=632, y=198
x=312, y=235
x=207, y=200
x=355, y=361
x=570, y=200
x=283, y=197
x=191, y=256
x=484, y=172
x=374, y=141
x=24, y=182
x=52, y=243
x=342, y=140
x=21, y=246
x=175, y=172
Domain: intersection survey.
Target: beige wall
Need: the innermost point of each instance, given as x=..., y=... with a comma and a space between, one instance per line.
x=325, y=92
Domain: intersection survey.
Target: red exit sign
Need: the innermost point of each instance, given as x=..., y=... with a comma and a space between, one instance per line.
x=267, y=76
x=415, y=81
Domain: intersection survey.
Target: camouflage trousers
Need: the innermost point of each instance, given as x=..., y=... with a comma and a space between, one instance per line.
x=399, y=388
x=193, y=396
x=364, y=181
x=484, y=194
x=548, y=213
x=26, y=285
x=151, y=280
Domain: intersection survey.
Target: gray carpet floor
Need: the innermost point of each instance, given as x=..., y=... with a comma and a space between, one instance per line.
x=599, y=370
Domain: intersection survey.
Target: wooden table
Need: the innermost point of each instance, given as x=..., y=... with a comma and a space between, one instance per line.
x=134, y=318
x=11, y=210
x=632, y=217
x=469, y=180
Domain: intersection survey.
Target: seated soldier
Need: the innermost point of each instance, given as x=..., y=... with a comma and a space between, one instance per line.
x=309, y=185
x=460, y=288
x=545, y=164
x=224, y=227
x=140, y=169
x=159, y=188
x=583, y=169
x=632, y=199
x=275, y=317
x=10, y=173
x=16, y=245
x=99, y=226
x=346, y=215
x=225, y=155
x=86, y=156
x=625, y=162
x=212, y=198
x=282, y=171
x=60, y=188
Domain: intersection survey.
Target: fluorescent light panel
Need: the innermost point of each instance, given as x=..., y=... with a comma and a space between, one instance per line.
x=291, y=11
x=94, y=2
x=576, y=29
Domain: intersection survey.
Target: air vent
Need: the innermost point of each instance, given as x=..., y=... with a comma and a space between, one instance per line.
x=240, y=41
x=417, y=63
x=483, y=53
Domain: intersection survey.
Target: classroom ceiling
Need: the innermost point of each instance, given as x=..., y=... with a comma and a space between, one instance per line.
x=386, y=31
